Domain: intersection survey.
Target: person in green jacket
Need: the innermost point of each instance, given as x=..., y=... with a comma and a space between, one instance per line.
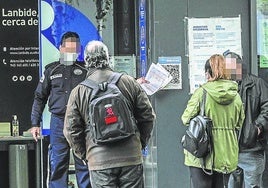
x=224, y=106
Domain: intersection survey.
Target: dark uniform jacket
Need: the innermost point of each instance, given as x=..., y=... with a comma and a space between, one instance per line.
x=254, y=95
x=119, y=154
x=55, y=87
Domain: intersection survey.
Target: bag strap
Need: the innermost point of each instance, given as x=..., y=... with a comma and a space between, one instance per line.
x=203, y=160
x=115, y=76
x=89, y=83
x=203, y=103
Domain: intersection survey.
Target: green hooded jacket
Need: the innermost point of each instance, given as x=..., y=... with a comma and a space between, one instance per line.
x=224, y=106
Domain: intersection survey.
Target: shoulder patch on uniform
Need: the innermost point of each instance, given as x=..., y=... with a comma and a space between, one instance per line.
x=78, y=71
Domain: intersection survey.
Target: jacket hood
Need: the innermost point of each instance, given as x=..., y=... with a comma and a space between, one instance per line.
x=222, y=91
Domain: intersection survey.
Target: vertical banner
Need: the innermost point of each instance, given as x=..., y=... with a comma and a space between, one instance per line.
x=19, y=59
x=208, y=36
x=142, y=37
x=56, y=18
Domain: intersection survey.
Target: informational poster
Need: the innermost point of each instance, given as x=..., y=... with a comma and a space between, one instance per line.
x=262, y=32
x=125, y=64
x=173, y=65
x=19, y=60
x=208, y=36
x=56, y=18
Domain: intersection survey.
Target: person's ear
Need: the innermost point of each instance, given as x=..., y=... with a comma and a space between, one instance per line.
x=207, y=75
x=60, y=48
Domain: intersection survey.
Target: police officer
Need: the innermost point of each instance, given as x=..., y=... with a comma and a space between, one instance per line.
x=58, y=80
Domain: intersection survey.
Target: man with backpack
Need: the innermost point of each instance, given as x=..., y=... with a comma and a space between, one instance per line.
x=109, y=120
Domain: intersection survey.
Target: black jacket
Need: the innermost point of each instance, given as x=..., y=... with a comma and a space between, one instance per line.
x=54, y=87
x=254, y=94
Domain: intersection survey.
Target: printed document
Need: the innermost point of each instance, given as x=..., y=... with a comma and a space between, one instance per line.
x=157, y=77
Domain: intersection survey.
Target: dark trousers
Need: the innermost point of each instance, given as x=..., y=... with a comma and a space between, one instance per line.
x=202, y=180
x=59, y=156
x=120, y=177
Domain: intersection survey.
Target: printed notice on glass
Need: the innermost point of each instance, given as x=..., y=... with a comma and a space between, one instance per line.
x=208, y=36
x=158, y=77
x=262, y=33
x=173, y=65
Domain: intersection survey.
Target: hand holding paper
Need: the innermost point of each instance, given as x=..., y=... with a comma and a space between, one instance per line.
x=157, y=77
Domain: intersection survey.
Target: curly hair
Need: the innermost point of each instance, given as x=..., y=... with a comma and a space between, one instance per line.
x=215, y=66
x=96, y=55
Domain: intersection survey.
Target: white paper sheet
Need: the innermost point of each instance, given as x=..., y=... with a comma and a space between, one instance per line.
x=158, y=78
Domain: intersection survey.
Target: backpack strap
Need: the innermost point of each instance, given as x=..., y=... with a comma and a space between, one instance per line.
x=115, y=76
x=211, y=151
x=203, y=103
x=113, y=79
x=89, y=83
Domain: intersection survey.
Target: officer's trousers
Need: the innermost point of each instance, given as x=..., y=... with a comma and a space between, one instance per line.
x=59, y=156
